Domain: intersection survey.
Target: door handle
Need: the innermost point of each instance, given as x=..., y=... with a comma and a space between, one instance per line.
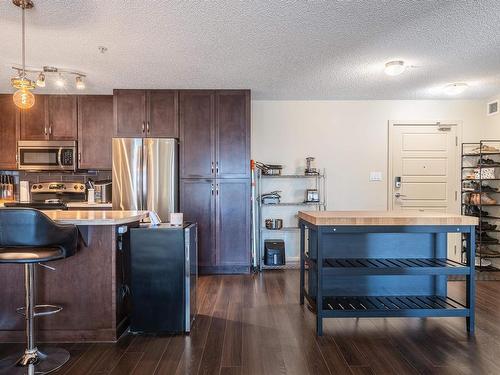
x=217, y=190
x=45, y=130
x=399, y=195
x=212, y=169
x=147, y=127
x=143, y=126
x=217, y=167
x=50, y=129
x=212, y=189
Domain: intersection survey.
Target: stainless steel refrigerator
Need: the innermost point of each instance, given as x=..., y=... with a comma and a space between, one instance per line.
x=145, y=175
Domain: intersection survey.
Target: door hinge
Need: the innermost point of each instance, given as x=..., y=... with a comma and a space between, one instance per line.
x=456, y=141
x=456, y=195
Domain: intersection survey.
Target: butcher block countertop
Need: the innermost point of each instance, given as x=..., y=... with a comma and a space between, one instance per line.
x=385, y=218
x=100, y=217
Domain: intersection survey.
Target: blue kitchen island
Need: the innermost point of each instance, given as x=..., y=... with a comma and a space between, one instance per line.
x=384, y=264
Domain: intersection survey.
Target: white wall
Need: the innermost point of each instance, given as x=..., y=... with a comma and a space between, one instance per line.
x=348, y=138
x=491, y=125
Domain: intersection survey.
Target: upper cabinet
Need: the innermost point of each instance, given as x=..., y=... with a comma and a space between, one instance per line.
x=146, y=113
x=53, y=117
x=95, y=131
x=62, y=117
x=34, y=121
x=215, y=134
x=232, y=154
x=9, y=129
x=197, y=134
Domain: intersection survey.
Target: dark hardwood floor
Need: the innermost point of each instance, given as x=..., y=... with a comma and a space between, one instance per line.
x=254, y=325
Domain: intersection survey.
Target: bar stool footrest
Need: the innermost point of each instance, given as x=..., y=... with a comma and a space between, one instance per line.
x=45, y=310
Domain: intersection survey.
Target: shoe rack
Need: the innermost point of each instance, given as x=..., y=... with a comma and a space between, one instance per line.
x=481, y=198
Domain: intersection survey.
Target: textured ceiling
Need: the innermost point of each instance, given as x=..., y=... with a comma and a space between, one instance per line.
x=315, y=49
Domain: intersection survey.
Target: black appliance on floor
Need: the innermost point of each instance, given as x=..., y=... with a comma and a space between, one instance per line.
x=164, y=272
x=274, y=252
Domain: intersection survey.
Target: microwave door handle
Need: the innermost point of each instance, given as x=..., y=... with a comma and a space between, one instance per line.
x=59, y=157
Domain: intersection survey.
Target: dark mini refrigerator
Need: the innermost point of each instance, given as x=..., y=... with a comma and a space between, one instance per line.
x=164, y=272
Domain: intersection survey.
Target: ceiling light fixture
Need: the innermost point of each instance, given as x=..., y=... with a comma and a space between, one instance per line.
x=40, y=81
x=23, y=97
x=394, y=68
x=80, y=85
x=455, y=88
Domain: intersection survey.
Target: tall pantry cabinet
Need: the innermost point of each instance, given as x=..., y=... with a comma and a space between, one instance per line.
x=214, y=167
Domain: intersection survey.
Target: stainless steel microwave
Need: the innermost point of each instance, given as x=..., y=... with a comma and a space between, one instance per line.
x=47, y=155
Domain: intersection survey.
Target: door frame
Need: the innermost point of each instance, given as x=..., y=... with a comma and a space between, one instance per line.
x=390, y=178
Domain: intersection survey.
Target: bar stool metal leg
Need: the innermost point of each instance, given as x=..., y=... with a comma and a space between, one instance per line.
x=33, y=360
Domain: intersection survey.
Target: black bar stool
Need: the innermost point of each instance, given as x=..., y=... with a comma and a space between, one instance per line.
x=29, y=237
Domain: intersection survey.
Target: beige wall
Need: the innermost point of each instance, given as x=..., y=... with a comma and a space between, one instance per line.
x=349, y=139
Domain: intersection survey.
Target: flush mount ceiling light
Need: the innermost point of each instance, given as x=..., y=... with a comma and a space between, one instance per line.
x=394, y=68
x=455, y=88
x=23, y=97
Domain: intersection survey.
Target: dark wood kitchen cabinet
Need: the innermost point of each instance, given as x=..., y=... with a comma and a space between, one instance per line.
x=34, y=121
x=232, y=153
x=215, y=158
x=9, y=131
x=95, y=131
x=233, y=222
x=62, y=117
x=198, y=205
x=53, y=117
x=221, y=207
x=215, y=134
x=146, y=113
x=197, y=134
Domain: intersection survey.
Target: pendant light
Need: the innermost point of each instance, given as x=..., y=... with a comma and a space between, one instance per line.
x=23, y=97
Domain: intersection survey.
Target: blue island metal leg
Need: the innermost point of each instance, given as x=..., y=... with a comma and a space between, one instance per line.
x=302, y=263
x=319, y=292
x=470, y=278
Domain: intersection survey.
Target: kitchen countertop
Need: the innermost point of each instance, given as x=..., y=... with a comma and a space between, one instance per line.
x=89, y=217
x=88, y=205
x=385, y=218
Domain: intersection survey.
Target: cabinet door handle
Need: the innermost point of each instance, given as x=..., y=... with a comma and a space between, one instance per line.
x=212, y=189
x=217, y=168
x=79, y=156
x=147, y=126
x=45, y=130
x=212, y=168
x=217, y=190
x=143, y=126
x=50, y=129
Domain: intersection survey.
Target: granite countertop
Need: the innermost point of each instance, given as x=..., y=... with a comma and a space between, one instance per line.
x=89, y=217
x=385, y=218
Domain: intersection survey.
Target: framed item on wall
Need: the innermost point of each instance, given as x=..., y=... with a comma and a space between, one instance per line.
x=493, y=108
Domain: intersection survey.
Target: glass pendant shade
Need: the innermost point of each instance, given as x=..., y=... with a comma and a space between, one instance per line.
x=24, y=98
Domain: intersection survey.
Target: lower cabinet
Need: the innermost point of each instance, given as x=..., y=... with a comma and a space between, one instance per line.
x=221, y=207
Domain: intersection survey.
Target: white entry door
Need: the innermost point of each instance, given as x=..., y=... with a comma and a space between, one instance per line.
x=424, y=170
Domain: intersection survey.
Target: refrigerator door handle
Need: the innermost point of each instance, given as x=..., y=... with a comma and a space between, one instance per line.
x=144, y=174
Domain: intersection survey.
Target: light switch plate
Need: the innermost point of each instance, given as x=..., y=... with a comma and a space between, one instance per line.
x=375, y=176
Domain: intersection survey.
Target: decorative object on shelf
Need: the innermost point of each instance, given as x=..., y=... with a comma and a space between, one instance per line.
x=312, y=196
x=480, y=198
x=269, y=169
x=23, y=98
x=273, y=197
x=311, y=169
x=274, y=224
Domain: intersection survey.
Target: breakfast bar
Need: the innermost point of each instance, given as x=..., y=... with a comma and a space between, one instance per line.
x=92, y=286
x=383, y=264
